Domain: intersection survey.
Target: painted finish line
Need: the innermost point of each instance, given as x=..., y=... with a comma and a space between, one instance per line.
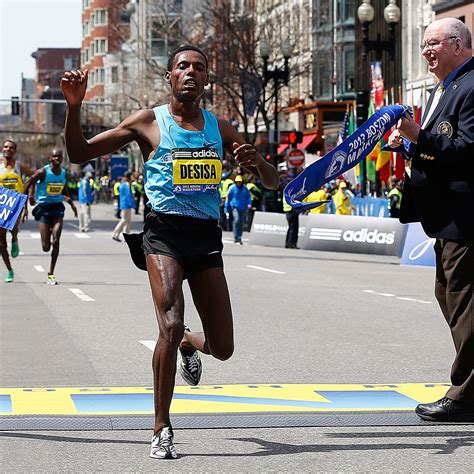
x=220, y=399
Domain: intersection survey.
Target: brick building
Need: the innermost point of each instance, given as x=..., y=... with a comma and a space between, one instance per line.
x=50, y=66
x=105, y=27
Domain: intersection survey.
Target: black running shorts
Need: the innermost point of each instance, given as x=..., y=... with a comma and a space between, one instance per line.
x=195, y=243
x=48, y=213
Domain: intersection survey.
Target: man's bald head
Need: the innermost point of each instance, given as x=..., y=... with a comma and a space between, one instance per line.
x=447, y=45
x=453, y=27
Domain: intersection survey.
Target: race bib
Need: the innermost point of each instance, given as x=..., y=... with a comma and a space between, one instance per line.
x=54, y=189
x=196, y=170
x=9, y=183
x=11, y=180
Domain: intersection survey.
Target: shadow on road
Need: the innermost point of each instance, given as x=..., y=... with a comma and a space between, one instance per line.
x=453, y=441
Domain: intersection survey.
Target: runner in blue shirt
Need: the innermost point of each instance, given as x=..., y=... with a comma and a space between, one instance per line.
x=47, y=190
x=183, y=148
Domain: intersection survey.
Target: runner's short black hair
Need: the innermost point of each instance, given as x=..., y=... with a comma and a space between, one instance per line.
x=185, y=47
x=11, y=141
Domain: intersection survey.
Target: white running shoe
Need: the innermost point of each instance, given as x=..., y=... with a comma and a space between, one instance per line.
x=189, y=365
x=162, y=446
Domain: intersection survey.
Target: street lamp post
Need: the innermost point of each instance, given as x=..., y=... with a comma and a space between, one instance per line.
x=365, y=14
x=279, y=77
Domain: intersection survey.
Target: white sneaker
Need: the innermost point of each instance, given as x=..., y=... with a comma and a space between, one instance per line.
x=162, y=446
x=190, y=367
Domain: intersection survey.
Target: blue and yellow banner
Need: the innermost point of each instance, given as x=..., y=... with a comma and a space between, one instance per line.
x=342, y=158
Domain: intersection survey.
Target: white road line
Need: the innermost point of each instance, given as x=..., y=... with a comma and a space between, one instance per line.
x=39, y=268
x=149, y=345
x=80, y=294
x=72, y=225
x=35, y=235
x=265, y=269
x=403, y=298
x=81, y=235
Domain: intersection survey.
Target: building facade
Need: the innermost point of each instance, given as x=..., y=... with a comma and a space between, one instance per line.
x=105, y=27
x=50, y=66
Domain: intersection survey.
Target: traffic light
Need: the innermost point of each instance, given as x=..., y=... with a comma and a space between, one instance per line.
x=15, y=105
x=295, y=137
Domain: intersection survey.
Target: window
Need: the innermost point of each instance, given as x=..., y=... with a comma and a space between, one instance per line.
x=100, y=75
x=101, y=17
x=349, y=70
x=70, y=63
x=99, y=46
x=158, y=47
x=114, y=74
x=345, y=11
x=124, y=16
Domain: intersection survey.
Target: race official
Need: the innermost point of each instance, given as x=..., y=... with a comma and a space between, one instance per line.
x=439, y=192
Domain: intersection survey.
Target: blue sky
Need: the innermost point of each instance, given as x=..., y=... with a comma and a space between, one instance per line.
x=25, y=26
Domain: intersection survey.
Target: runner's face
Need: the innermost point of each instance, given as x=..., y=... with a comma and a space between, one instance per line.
x=9, y=150
x=56, y=158
x=188, y=76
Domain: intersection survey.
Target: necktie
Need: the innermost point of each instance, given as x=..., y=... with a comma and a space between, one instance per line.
x=437, y=97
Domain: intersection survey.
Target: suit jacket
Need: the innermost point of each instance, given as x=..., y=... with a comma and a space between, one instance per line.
x=440, y=191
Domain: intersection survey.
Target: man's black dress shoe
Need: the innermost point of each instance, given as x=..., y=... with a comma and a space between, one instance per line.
x=446, y=409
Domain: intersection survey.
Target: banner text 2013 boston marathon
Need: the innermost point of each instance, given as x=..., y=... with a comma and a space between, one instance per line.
x=342, y=158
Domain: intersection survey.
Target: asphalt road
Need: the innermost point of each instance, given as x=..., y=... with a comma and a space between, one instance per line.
x=300, y=317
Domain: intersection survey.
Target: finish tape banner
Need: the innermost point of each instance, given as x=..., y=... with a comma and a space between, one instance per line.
x=11, y=205
x=342, y=158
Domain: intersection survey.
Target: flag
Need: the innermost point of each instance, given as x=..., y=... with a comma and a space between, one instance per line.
x=420, y=105
x=344, y=132
x=377, y=92
x=351, y=175
x=383, y=157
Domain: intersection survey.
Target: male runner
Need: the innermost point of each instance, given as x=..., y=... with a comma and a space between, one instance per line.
x=182, y=145
x=10, y=178
x=51, y=191
x=11, y=172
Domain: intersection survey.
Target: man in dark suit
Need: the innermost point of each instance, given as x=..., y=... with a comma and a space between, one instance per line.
x=439, y=192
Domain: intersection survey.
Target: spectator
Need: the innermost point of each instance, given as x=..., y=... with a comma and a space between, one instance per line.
x=86, y=198
x=256, y=194
x=117, y=197
x=342, y=200
x=137, y=187
x=127, y=203
x=320, y=195
x=395, y=199
x=238, y=202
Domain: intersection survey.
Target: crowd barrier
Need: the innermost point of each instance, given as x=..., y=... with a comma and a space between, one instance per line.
x=353, y=234
x=418, y=248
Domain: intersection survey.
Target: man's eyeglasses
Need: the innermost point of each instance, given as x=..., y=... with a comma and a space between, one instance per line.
x=433, y=43
x=57, y=156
